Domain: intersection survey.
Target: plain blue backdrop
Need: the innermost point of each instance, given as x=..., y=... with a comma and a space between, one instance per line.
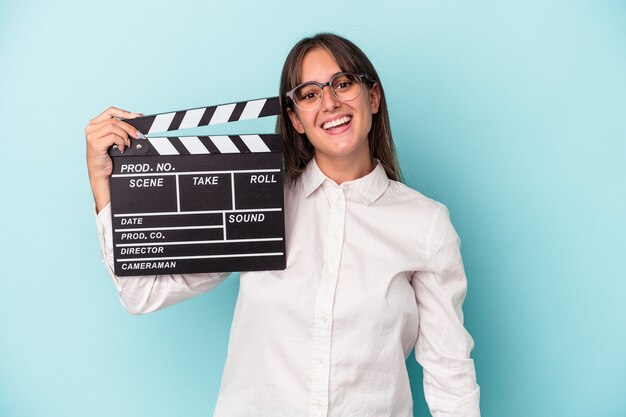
x=513, y=114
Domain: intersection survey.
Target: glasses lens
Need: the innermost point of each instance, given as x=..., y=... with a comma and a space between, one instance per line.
x=307, y=96
x=346, y=87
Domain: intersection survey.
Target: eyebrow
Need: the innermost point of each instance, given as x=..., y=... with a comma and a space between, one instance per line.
x=331, y=77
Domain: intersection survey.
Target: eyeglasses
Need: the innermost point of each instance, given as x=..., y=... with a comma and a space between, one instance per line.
x=345, y=86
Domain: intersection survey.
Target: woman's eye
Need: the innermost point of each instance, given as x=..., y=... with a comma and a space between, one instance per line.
x=308, y=95
x=342, y=83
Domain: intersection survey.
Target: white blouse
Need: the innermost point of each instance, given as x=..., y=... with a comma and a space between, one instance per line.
x=373, y=270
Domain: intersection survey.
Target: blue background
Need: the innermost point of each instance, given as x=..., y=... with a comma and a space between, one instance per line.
x=513, y=114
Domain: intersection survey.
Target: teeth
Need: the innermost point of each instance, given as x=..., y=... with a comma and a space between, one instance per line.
x=336, y=122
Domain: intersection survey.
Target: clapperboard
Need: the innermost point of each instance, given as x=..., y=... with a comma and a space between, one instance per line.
x=191, y=204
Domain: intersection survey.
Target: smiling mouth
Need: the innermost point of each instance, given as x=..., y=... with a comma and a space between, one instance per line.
x=338, y=122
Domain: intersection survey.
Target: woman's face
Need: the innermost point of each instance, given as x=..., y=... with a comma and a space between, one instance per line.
x=346, y=142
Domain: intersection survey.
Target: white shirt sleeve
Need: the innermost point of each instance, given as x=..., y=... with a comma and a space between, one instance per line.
x=144, y=294
x=443, y=345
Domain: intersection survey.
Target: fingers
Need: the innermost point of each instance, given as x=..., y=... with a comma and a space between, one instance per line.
x=106, y=130
x=130, y=130
x=109, y=134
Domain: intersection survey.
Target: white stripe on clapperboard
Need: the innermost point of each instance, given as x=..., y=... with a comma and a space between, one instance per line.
x=162, y=123
x=252, y=109
x=193, y=145
x=163, y=146
x=191, y=119
x=161, y=174
x=200, y=242
x=228, y=255
x=224, y=144
x=222, y=114
x=150, y=229
x=254, y=143
x=174, y=213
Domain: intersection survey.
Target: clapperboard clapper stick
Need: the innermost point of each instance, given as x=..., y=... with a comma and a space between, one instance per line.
x=191, y=204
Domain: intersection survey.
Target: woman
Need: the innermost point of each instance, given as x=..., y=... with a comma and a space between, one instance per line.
x=373, y=267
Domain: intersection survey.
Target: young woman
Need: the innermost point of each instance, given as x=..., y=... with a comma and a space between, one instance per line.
x=373, y=267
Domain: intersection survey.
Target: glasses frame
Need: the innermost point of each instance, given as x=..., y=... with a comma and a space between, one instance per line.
x=364, y=78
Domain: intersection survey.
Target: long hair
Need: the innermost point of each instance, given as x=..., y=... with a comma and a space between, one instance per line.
x=297, y=148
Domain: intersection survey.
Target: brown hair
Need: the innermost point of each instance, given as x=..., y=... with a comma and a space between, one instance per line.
x=297, y=148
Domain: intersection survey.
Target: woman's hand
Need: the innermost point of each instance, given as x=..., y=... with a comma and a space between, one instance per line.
x=102, y=132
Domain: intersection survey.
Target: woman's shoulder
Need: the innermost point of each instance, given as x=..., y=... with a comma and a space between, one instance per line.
x=411, y=199
x=415, y=214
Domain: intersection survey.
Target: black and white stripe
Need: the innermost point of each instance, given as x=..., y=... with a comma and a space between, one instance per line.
x=203, y=116
x=198, y=145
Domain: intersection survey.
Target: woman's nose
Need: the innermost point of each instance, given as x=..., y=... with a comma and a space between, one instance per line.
x=329, y=101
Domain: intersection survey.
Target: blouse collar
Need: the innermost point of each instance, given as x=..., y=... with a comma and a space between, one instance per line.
x=369, y=188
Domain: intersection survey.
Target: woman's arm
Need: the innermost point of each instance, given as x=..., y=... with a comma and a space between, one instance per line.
x=443, y=345
x=138, y=294
x=147, y=293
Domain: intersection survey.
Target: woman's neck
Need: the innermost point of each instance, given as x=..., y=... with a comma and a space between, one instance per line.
x=342, y=170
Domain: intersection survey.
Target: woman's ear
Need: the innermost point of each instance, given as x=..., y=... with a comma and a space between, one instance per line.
x=295, y=121
x=375, y=98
